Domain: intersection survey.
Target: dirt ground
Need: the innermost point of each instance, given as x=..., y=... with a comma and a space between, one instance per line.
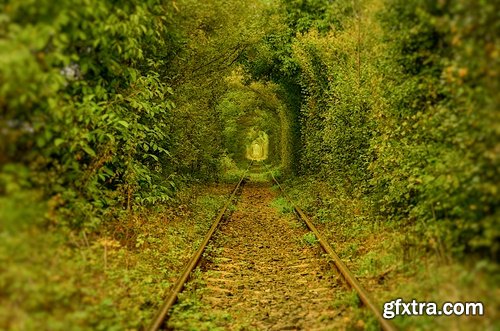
x=262, y=275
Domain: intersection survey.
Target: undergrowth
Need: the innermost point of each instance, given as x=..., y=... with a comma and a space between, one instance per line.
x=53, y=278
x=190, y=313
x=394, y=260
x=309, y=239
x=282, y=205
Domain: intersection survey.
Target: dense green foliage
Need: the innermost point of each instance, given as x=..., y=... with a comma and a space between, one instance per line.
x=110, y=110
x=439, y=160
x=247, y=112
x=398, y=105
x=109, y=106
x=84, y=102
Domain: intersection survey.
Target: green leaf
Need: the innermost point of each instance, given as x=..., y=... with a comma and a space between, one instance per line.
x=133, y=75
x=124, y=123
x=58, y=142
x=152, y=156
x=89, y=150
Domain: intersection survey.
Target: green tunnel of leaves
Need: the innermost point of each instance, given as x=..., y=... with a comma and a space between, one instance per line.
x=108, y=106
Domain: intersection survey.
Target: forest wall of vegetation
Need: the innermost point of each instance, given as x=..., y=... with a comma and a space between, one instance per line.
x=108, y=106
x=85, y=104
x=399, y=107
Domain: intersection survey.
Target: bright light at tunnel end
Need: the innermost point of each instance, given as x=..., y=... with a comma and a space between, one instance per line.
x=259, y=148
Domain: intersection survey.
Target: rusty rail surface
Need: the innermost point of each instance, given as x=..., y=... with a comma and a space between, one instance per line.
x=346, y=273
x=171, y=299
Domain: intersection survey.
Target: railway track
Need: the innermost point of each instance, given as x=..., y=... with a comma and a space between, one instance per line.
x=263, y=274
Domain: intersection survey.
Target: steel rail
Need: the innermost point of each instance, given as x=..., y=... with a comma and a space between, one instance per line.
x=171, y=299
x=346, y=273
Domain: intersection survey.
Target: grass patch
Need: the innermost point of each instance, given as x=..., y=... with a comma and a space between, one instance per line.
x=192, y=314
x=309, y=239
x=282, y=205
x=395, y=261
x=346, y=299
x=56, y=278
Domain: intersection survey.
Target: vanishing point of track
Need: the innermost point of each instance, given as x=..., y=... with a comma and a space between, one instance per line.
x=298, y=271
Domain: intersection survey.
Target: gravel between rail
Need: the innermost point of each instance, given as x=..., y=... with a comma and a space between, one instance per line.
x=262, y=275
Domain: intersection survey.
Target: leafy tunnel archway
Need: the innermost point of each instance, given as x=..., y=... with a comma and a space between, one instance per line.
x=255, y=124
x=121, y=122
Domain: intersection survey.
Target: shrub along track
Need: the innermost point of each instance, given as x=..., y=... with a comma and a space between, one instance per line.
x=261, y=274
